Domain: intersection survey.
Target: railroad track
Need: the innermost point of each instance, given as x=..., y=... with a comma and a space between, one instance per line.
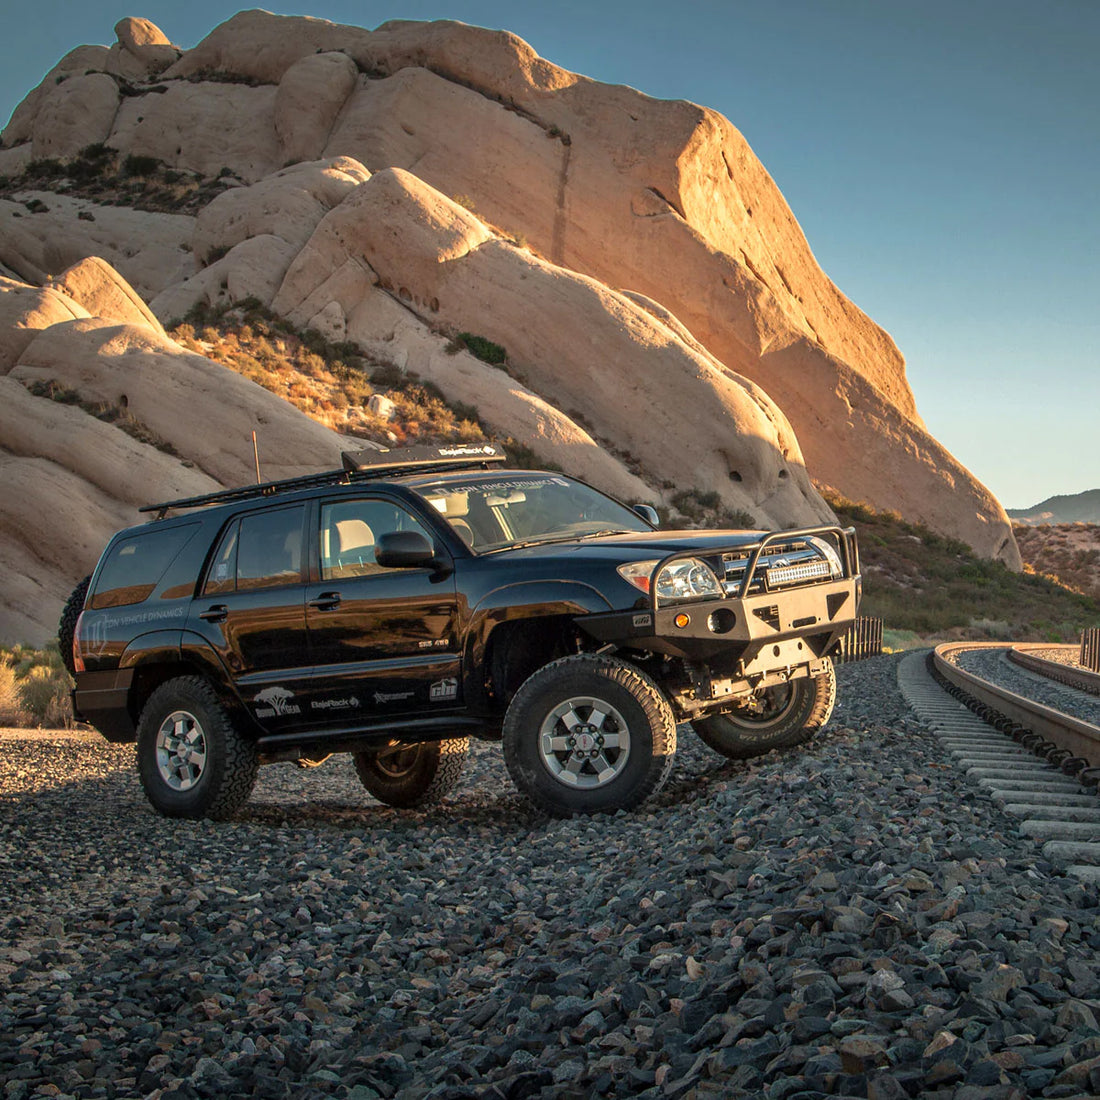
x=1039, y=764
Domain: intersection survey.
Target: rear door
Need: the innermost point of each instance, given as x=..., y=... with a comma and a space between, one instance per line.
x=251, y=609
x=382, y=641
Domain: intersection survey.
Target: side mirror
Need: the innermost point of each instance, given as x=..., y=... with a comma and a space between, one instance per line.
x=405, y=550
x=648, y=513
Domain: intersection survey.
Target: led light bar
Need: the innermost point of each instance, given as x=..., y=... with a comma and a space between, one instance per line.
x=780, y=575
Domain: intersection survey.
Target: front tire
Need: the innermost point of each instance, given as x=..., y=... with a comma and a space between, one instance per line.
x=777, y=718
x=589, y=734
x=192, y=759
x=413, y=775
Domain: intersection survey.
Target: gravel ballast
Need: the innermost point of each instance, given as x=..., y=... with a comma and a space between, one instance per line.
x=854, y=918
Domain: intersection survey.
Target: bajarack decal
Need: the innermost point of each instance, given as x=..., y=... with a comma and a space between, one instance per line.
x=335, y=704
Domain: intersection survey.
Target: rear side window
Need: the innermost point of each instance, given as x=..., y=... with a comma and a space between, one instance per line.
x=135, y=565
x=261, y=550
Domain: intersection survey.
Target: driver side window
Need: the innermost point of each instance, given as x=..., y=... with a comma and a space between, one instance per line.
x=350, y=529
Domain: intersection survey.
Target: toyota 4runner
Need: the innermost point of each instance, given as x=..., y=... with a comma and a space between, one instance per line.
x=416, y=598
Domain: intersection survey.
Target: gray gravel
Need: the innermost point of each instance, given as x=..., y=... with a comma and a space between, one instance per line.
x=993, y=665
x=853, y=919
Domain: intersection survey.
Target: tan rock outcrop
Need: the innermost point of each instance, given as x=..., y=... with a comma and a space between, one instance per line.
x=150, y=250
x=203, y=127
x=391, y=332
x=100, y=290
x=252, y=269
x=83, y=59
x=203, y=410
x=577, y=344
x=122, y=468
x=142, y=50
x=287, y=204
x=263, y=47
x=24, y=312
x=311, y=93
x=79, y=112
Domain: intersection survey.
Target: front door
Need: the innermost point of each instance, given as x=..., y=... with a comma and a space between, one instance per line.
x=382, y=641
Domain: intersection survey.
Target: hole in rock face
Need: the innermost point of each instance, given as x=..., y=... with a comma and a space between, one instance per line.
x=123, y=402
x=735, y=476
x=783, y=475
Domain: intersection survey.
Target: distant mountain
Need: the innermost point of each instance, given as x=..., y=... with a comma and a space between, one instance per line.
x=1079, y=508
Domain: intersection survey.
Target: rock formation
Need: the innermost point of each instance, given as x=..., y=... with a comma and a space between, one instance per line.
x=659, y=303
x=70, y=479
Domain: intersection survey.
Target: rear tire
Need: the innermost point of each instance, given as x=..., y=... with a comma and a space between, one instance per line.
x=66, y=628
x=192, y=759
x=777, y=718
x=413, y=775
x=589, y=734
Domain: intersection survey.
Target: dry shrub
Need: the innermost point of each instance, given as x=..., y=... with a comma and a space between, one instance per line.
x=11, y=704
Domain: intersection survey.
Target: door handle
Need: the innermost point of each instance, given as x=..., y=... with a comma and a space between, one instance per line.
x=326, y=601
x=215, y=614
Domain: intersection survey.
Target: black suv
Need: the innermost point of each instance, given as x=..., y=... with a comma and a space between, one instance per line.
x=396, y=607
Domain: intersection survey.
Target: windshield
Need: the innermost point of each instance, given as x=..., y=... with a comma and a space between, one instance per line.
x=491, y=514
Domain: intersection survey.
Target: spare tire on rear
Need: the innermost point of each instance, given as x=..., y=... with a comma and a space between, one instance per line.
x=66, y=628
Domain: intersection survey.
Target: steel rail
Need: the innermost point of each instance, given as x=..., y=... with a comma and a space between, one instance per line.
x=1065, y=741
x=1024, y=655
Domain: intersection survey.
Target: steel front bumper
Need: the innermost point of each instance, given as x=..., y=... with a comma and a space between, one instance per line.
x=793, y=626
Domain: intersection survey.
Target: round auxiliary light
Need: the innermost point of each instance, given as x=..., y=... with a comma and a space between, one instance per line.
x=682, y=619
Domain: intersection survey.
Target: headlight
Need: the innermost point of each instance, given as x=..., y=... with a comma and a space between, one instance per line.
x=687, y=579
x=684, y=579
x=828, y=552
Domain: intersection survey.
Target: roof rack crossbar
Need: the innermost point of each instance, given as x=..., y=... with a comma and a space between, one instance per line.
x=358, y=466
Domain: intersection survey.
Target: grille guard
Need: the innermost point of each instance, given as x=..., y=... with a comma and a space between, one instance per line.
x=845, y=544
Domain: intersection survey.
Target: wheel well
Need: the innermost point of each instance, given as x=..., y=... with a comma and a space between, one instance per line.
x=517, y=649
x=147, y=678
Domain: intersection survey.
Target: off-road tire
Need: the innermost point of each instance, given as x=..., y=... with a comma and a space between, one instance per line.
x=228, y=770
x=66, y=628
x=623, y=695
x=408, y=775
x=740, y=735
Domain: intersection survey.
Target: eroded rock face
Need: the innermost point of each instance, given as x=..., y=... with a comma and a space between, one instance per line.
x=150, y=250
x=74, y=114
x=24, y=312
x=581, y=346
x=71, y=479
x=99, y=289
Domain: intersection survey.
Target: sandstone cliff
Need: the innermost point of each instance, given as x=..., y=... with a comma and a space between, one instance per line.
x=660, y=305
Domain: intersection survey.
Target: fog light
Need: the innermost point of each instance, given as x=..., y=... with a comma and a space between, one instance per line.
x=722, y=621
x=682, y=619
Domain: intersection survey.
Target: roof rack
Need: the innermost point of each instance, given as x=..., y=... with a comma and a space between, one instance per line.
x=358, y=466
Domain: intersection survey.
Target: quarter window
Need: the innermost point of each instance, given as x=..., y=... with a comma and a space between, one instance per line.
x=135, y=565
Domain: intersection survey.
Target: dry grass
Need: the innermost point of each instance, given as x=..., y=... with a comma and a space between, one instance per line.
x=332, y=383
x=34, y=688
x=98, y=173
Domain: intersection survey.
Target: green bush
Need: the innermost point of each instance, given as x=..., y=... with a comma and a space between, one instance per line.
x=483, y=349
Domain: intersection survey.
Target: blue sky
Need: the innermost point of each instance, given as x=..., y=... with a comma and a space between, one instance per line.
x=942, y=157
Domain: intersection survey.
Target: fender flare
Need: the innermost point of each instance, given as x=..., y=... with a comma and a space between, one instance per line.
x=523, y=600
